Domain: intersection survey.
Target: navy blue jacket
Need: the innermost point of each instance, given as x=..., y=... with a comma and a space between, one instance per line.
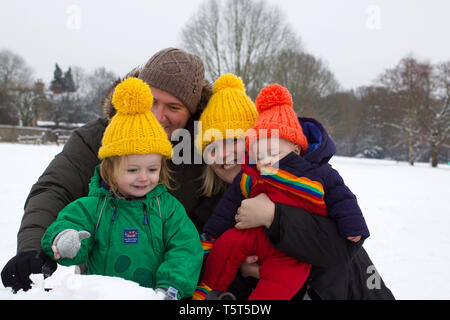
x=341, y=203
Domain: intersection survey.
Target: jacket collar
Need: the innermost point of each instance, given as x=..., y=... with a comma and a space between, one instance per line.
x=320, y=145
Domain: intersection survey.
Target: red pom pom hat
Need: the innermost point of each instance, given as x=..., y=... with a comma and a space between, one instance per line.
x=274, y=105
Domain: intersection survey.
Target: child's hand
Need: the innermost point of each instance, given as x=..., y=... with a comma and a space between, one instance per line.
x=255, y=212
x=68, y=242
x=354, y=239
x=56, y=253
x=170, y=294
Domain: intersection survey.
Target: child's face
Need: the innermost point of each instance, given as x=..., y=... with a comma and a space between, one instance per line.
x=268, y=151
x=138, y=174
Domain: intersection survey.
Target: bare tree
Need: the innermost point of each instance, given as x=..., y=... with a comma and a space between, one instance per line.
x=419, y=107
x=243, y=37
x=307, y=78
x=437, y=115
x=14, y=71
x=17, y=90
x=410, y=80
x=97, y=85
x=29, y=103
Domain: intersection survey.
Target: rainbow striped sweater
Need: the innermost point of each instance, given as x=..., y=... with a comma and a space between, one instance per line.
x=314, y=187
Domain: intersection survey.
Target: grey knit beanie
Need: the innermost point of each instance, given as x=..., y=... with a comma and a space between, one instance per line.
x=177, y=72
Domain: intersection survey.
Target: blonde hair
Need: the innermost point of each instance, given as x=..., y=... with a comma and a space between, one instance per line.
x=212, y=184
x=109, y=168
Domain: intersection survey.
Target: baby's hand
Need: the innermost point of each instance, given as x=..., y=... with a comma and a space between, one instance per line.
x=354, y=239
x=255, y=212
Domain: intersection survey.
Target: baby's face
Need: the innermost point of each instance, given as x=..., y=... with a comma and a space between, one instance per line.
x=268, y=151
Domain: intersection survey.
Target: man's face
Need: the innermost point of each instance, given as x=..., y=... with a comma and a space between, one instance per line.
x=171, y=113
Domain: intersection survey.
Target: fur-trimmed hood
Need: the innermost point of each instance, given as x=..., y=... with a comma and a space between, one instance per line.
x=109, y=110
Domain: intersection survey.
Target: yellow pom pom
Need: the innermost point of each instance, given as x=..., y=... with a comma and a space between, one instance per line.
x=228, y=81
x=132, y=96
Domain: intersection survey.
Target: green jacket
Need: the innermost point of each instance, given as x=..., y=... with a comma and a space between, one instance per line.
x=150, y=241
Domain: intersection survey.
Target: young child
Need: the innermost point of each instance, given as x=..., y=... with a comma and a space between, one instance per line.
x=286, y=176
x=129, y=225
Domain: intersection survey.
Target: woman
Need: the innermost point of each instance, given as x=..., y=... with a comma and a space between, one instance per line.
x=176, y=80
x=339, y=267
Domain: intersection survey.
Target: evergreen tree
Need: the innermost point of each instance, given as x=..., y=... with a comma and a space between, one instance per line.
x=65, y=99
x=57, y=84
x=69, y=84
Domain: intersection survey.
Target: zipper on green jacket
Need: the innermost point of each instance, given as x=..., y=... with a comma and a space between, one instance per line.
x=147, y=227
x=145, y=217
x=109, y=239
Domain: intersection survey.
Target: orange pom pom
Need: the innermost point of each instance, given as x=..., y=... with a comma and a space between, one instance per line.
x=273, y=95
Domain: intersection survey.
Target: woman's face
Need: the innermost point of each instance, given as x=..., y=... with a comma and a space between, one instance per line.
x=225, y=157
x=170, y=112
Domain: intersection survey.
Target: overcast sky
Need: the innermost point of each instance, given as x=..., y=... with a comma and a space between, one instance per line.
x=358, y=39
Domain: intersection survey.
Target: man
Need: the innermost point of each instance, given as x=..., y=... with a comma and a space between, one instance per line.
x=176, y=79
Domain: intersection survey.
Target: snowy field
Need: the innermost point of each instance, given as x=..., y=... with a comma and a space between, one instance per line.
x=406, y=209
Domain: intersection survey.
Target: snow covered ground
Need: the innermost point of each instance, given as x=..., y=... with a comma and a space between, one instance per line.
x=406, y=209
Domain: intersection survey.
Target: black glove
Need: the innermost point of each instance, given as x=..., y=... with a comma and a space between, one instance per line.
x=16, y=273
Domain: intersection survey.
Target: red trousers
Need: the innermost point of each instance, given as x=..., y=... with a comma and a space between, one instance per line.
x=281, y=276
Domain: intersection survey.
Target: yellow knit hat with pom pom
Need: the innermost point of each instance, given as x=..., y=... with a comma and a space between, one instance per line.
x=134, y=129
x=228, y=108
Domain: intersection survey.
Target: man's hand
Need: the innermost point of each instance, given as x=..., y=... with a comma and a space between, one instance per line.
x=16, y=273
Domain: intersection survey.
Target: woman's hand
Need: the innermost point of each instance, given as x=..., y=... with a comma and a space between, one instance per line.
x=250, y=268
x=255, y=212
